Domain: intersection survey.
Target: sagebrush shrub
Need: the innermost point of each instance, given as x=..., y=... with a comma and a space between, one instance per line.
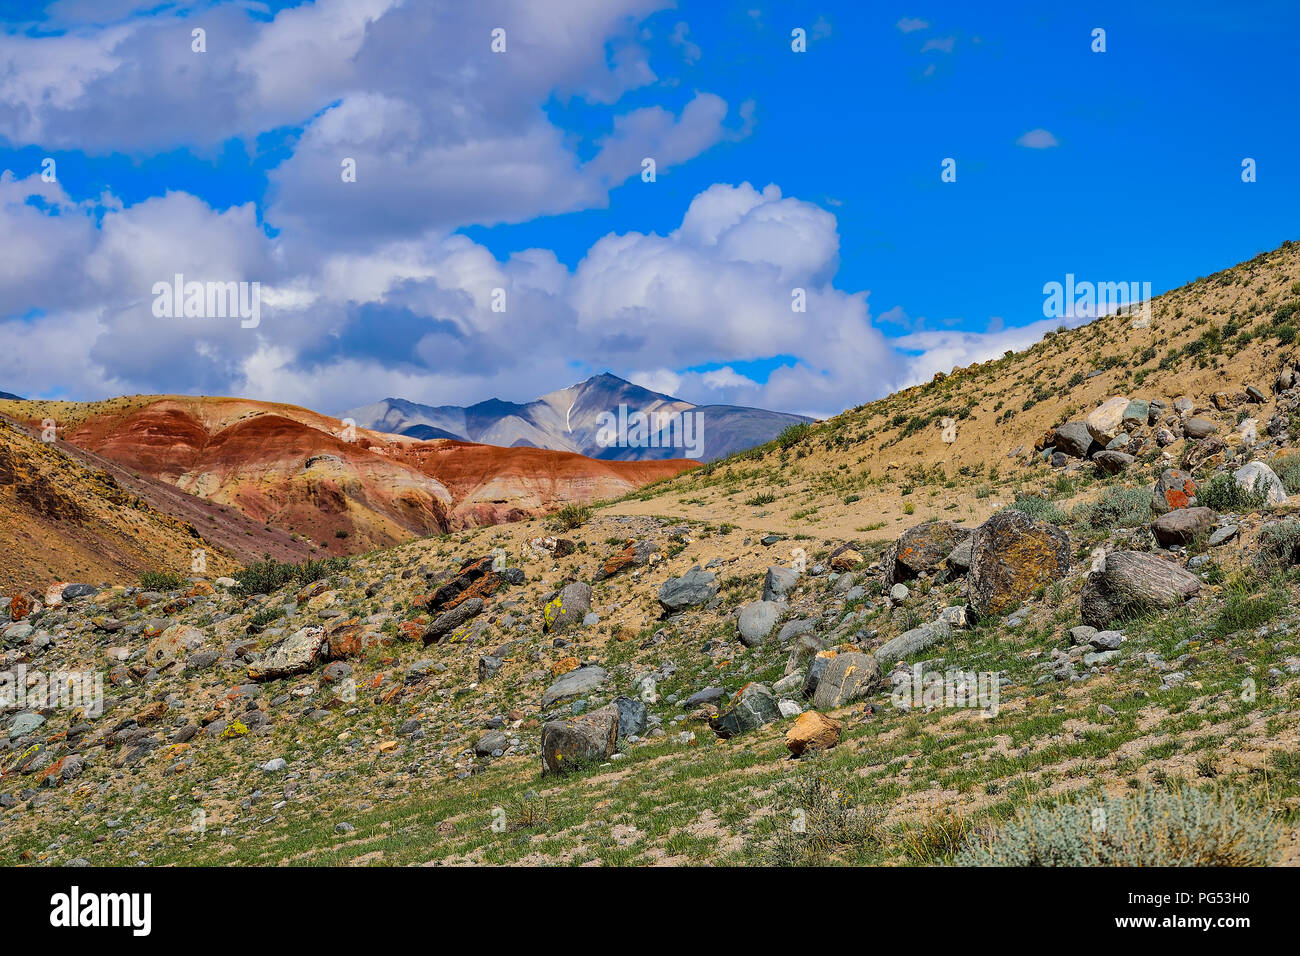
x=570, y=517
x=1115, y=508
x=263, y=577
x=1040, y=509
x=1279, y=545
x=162, y=581
x=1288, y=469
x=1222, y=493
x=819, y=822
x=1153, y=828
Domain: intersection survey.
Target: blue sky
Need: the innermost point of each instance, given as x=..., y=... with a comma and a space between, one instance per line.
x=220, y=164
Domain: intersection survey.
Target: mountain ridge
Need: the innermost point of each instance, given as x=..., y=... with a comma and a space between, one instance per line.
x=569, y=419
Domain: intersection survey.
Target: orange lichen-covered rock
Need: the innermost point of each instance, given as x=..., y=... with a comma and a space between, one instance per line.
x=812, y=731
x=1012, y=556
x=921, y=548
x=563, y=666
x=1175, y=489
x=20, y=607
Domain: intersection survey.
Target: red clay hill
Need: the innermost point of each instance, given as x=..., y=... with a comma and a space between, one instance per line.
x=348, y=490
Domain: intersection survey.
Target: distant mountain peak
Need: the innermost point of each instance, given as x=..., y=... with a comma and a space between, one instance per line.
x=571, y=418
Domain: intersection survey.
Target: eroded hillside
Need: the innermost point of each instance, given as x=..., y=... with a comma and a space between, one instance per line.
x=1084, y=603
x=339, y=489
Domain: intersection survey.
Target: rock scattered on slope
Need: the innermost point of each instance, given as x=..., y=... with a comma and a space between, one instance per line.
x=1131, y=583
x=757, y=620
x=1183, y=526
x=921, y=549
x=568, y=608
x=579, y=741
x=1173, y=489
x=692, y=589
x=1012, y=556
x=848, y=677
x=812, y=732
x=1258, y=477
x=753, y=707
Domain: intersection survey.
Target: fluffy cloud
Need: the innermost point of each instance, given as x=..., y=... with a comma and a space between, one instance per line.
x=942, y=350
x=417, y=316
x=367, y=289
x=444, y=131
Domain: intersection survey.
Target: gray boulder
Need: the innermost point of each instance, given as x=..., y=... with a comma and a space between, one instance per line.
x=491, y=742
x=816, y=670
x=1074, y=439
x=756, y=621
x=1112, y=462
x=754, y=706
x=913, y=641
x=848, y=677
x=1136, y=414
x=1132, y=583
x=778, y=583
x=692, y=589
x=296, y=654
x=568, y=608
x=24, y=723
x=1258, y=477
x=1183, y=526
x=571, y=744
x=959, y=560
x=710, y=695
x=583, y=680
x=447, y=622
x=633, y=720
x=792, y=629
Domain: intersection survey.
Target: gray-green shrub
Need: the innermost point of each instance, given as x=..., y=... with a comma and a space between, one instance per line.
x=1115, y=508
x=1153, y=828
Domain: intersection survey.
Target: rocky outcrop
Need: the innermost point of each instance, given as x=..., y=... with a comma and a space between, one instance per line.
x=778, y=583
x=308, y=472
